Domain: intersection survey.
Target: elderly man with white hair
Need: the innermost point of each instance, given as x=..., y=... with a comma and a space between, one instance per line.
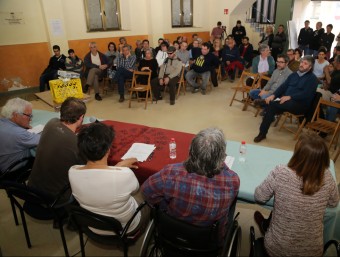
x=16, y=141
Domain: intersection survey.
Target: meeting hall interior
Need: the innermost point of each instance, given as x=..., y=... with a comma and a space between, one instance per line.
x=29, y=31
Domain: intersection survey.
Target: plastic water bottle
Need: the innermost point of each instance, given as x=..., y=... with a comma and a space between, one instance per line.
x=172, y=148
x=243, y=152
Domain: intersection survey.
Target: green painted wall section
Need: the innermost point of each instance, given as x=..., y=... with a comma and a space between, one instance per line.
x=284, y=13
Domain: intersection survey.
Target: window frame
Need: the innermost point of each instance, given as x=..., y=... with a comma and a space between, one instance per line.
x=182, y=25
x=103, y=17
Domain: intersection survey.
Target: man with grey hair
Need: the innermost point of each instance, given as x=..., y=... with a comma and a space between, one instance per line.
x=295, y=95
x=96, y=65
x=16, y=141
x=200, y=190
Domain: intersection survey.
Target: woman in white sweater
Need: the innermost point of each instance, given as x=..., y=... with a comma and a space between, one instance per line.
x=102, y=189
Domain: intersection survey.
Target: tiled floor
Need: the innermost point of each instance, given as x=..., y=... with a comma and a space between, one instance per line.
x=191, y=113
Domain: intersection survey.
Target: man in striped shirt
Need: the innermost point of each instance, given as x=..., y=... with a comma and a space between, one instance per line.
x=126, y=64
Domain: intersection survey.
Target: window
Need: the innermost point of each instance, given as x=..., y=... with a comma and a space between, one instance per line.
x=102, y=15
x=264, y=11
x=181, y=13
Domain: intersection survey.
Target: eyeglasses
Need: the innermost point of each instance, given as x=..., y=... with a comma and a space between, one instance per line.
x=280, y=62
x=171, y=53
x=27, y=115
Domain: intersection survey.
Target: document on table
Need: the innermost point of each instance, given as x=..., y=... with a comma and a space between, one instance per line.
x=36, y=129
x=229, y=160
x=140, y=151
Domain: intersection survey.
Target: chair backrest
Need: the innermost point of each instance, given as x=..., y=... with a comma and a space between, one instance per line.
x=36, y=203
x=85, y=219
x=181, y=238
x=181, y=77
x=138, y=76
x=315, y=104
x=262, y=81
x=244, y=76
x=318, y=114
x=19, y=171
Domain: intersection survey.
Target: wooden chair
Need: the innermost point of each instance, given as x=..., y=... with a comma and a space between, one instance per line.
x=138, y=88
x=181, y=83
x=319, y=124
x=249, y=101
x=243, y=88
x=219, y=73
x=299, y=119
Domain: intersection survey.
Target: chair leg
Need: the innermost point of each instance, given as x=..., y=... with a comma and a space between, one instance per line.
x=283, y=122
x=232, y=99
x=146, y=98
x=14, y=213
x=82, y=246
x=300, y=129
x=277, y=120
x=62, y=234
x=130, y=99
x=24, y=224
x=257, y=111
x=125, y=249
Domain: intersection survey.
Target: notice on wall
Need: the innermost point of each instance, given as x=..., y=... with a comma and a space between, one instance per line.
x=56, y=27
x=12, y=18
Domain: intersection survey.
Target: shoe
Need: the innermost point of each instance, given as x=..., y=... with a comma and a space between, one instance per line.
x=231, y=80
x=98, y=97
x=160, y=98
x=259, y=102
x=203, y=92
x=121, y=99
x=86, y=88
x=259, y=138
x=224, y=77
x=259, y=219
x=172, y=102
x=194, y=90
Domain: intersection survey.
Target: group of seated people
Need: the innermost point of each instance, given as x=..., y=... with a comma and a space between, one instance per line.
x=201, y=190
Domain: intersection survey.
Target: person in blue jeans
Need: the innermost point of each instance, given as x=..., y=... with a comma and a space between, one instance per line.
x=279, y=76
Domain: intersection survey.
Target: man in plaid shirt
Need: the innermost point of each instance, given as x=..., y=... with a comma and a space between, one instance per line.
x=126, y=64
x=200, y=190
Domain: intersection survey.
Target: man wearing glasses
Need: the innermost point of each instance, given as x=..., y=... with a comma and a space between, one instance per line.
x=57, y=62
x=169, y=73
x=16, y=141
x=295, y=95
x=279, y=76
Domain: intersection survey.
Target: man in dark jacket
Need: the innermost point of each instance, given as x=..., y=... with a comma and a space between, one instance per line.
x=295, y=95
x=202, y=67
x=57, y=62
x=238, y=32
x=96, y=65
x=304, y=38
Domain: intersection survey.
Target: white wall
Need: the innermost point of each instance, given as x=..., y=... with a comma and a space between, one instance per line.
x=32, y=31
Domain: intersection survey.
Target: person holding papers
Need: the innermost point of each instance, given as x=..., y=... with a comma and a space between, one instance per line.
x=102, y=189
x=16, y=140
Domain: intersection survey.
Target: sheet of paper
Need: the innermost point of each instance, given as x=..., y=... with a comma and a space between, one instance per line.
x=37, y=129
x=229, y=160
x=140, y=151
